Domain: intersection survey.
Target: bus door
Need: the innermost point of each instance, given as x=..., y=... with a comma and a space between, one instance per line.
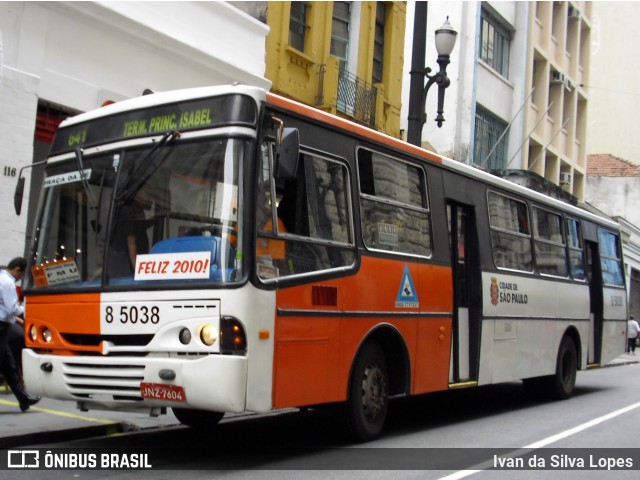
x=596, y=317
x=465, y=339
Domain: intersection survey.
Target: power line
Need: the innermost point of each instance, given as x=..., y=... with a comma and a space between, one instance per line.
x=610, y=90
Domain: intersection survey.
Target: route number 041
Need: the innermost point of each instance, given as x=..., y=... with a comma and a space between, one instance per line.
x=133, y=314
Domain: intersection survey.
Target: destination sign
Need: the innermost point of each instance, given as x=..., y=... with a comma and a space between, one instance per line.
x=238, y=110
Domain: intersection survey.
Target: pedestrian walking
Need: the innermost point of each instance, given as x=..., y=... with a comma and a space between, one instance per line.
x=632, y=334
x=10, y=308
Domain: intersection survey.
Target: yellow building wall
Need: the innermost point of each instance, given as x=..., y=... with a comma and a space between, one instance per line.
x=311, y=76
x=390, y=90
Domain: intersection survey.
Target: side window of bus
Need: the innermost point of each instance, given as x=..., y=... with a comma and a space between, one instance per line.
x=551, y=254
x=312, y=212
x=510, y=233
x=576, y=254
x=610, y=258
x=393, y=204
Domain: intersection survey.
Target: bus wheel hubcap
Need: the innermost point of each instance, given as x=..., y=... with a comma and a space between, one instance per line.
x=373, y=391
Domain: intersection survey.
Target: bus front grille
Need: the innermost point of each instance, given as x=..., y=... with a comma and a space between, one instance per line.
x=102, y=381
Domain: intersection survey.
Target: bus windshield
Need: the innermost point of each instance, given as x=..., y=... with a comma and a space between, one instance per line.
x=146, y=216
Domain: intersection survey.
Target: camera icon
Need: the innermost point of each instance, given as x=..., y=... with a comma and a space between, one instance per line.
x=23, y=459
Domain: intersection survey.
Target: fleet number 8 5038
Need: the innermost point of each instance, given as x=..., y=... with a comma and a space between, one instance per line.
x=133, y=314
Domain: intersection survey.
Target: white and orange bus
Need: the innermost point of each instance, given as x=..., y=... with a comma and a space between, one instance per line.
x=225, y=249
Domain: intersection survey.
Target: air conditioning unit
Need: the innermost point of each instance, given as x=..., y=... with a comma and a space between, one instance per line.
x=557, y=77
x=565, y=178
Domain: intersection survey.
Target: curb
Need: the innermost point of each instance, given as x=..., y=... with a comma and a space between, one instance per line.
x=621, y=363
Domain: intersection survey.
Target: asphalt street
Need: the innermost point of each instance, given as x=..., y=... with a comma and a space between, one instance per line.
x=52, y=421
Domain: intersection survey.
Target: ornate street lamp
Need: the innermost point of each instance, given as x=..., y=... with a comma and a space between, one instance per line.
x=445, y=39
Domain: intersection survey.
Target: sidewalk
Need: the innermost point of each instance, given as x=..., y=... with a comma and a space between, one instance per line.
x=625, y=359
x=55, y=421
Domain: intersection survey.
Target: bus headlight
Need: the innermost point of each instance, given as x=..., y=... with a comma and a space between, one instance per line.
x=233, y=339
x=46, y=335
x=208, y=335
x=33, y=333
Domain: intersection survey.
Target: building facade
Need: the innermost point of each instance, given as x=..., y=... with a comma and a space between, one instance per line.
x=516, y=105
x=613, y=186
x=614, y=98
x=345, y=58
x=558, y=57
x=61, y=58
x=477, y=85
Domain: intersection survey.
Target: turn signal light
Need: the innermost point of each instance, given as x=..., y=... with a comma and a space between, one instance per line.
x=233, y=339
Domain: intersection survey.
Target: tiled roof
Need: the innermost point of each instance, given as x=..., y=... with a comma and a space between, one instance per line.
x=605, y=165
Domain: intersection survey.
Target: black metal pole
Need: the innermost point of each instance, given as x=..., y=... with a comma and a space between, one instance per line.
x=443, y=82
x=416, y=89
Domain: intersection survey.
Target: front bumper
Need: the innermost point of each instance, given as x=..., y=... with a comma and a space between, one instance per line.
x=211, y=382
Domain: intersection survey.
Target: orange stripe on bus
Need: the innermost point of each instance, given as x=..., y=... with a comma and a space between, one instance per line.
x=315, y=345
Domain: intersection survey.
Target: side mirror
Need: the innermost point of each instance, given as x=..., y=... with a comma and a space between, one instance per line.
x=287, y=153
x=19, y=193
x=17, y=196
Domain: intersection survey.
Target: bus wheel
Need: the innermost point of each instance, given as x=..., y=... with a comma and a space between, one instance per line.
x=368, y=402
x=200, y=419
x=561, y=385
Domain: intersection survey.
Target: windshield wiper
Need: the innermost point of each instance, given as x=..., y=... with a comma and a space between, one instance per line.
x=144, y=170
x=96, y=223
x=83, y=177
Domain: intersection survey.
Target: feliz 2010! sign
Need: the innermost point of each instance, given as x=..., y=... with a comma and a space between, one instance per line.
x=172, y=266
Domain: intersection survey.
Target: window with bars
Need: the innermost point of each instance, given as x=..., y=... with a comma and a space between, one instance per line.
x=495, y=42
x=47, y=120
x=298, y=25
x=378, y=44
x=356, y=98
x=488, y=129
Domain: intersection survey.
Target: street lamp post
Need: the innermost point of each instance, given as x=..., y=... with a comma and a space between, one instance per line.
x=445, y=38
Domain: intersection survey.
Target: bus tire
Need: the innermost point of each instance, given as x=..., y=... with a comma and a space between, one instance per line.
x=368, y=399
x=561, y=385
x=200, y=419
